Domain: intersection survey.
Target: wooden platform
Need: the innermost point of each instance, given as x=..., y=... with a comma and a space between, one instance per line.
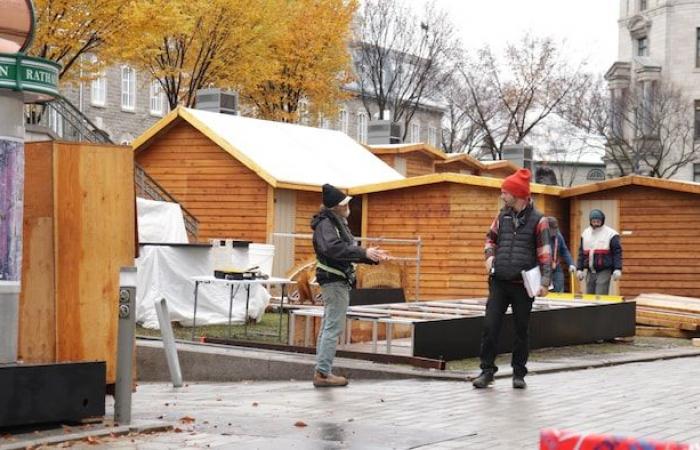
x=451, y=329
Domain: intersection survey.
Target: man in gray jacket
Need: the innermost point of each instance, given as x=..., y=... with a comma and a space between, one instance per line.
x=336, y=251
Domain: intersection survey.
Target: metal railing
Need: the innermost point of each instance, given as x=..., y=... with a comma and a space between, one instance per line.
x=65, y=120
x=148, y=188
x=417, y=242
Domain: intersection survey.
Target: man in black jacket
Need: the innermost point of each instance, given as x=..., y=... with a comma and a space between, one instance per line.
x=336, y=251
x=517, y=241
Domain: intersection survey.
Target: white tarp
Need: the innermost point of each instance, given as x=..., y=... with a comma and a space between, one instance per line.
x=164, y=272
x=160, y=222
x=299, y=154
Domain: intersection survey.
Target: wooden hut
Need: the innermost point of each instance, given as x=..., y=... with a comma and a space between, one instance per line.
x=245, y=178
x=657, y=221
x=460, y=163
x=498, y=169
x=451, y=214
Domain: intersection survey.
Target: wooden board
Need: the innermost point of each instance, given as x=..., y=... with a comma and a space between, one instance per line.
x=37, y=323
x=94, y=236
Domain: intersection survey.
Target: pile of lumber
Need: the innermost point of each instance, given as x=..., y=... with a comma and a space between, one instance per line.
x=668, y=315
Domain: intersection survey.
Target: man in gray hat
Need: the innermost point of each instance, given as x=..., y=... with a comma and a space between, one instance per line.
x=336, y=251
x=599, y=255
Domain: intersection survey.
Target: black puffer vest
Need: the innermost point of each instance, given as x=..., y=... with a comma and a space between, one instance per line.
x=517, y=243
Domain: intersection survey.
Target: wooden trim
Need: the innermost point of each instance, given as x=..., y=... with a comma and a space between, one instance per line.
x=420, y=147
x=298, y=187
x=365, y=212
x=270, y=218
x=672, y=185
x=465, y=159
x=470, y=180
x=141, y=142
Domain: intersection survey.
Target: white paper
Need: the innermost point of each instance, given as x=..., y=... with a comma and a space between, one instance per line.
x=532, y=279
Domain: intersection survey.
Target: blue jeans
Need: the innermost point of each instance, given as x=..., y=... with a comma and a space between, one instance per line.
x=336, y=298
x=558, y=279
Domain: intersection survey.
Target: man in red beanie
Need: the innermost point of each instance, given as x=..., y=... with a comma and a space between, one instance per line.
x=518, y=240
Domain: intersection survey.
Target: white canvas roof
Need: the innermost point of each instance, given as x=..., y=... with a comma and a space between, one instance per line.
x=294, y=153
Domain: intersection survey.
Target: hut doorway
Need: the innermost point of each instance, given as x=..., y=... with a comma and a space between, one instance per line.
x=284, y=222
x=612, y=219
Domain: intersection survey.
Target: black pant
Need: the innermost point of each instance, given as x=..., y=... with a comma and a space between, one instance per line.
x=501, y=294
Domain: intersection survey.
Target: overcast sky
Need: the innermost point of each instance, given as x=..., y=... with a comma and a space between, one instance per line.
x=589, y=27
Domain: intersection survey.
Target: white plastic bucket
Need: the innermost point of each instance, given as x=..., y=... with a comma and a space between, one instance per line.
x=228, y=254
x=261, y=255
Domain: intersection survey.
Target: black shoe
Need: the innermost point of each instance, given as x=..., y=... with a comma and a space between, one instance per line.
x=519, y=383
x=483, y=380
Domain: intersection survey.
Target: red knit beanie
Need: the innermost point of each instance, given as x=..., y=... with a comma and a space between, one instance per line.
x=518, y=184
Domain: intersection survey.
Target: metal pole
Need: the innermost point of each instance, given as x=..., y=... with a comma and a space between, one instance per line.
x=166, y=334
x=125, y=345
x=11, y=211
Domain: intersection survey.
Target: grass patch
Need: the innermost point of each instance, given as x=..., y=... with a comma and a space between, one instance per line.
x=264, y=331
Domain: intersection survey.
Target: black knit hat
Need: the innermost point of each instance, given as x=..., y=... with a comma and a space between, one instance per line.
x=332, y=196
x=597, y=214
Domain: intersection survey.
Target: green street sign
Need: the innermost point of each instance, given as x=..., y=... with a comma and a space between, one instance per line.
x=36, y=77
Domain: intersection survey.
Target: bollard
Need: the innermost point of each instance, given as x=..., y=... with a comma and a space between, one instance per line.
x=125, y=345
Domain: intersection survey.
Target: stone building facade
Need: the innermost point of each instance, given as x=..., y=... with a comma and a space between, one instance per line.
x=659, y=42
x=125, y=103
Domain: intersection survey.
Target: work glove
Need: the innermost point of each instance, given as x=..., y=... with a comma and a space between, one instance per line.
x=580, y=274
x=616, y=275
x=572, y=269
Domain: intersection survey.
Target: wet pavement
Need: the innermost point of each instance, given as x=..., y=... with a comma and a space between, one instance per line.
x=659, y=399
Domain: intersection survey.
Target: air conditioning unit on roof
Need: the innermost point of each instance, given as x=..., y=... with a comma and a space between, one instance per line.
x=217, y=100
x=383, y=132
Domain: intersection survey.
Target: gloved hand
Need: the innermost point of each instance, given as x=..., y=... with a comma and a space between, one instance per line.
x=488, y=264
x=580, y=274
x=572, y=269
x=616, y=275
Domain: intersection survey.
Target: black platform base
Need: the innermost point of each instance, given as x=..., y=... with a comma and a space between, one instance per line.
x=51, y=393
x=461, y=338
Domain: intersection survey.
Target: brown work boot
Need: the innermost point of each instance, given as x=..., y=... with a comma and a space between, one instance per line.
x=329, y=380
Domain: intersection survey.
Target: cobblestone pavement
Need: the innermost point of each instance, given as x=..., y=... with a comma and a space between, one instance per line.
x=659, y=399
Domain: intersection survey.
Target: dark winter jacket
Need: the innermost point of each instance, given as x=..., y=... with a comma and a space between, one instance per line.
x=335, y=248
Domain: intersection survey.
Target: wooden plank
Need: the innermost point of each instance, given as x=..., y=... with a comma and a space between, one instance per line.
x=657, y=331
x=94, y=207
x=37, y=312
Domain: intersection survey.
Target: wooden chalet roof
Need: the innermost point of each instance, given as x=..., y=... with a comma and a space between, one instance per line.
x=632, y=180
x=284, y=155
x=448, y=177
x=398, y=149
x=464, y=159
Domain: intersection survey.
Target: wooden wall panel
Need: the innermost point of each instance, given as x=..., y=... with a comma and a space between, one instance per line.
x=658, y=230
x=308, y=204
x=94, y=210
x=37, y=325
x=228, y=199
x=418, y=164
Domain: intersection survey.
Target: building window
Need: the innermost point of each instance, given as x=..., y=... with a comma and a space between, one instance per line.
x=128, y=88
x=697, y=47
x=596, y=175
x=643, y=46
x=642, y=5
x=343, y=121
x=98, y=91
x=157, y=98
x=55, y=122
x=696, y=173
x=432, y=136
x=697, y=119
x=415, y=132
x=362, y=128
x=303, y=109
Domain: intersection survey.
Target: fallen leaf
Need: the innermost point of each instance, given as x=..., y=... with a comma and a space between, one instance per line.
x=92, y=440
x=255, y=403
x=177, y=430
x=300, y=424
x=351, y=420
x=187, y=419
x=160, y=417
